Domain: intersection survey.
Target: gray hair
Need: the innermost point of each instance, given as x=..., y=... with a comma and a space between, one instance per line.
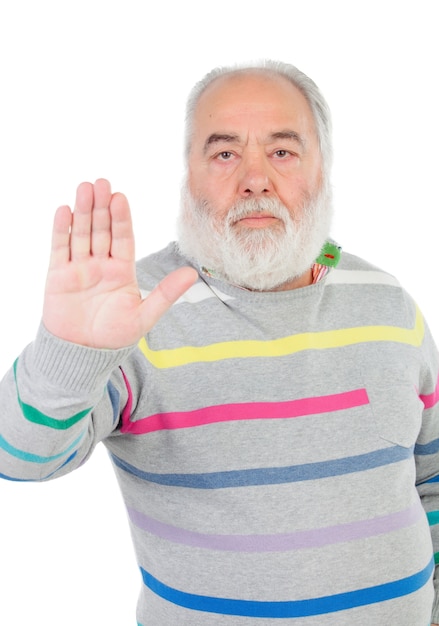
x=308, y=88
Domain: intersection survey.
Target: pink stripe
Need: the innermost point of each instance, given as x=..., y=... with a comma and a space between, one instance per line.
x=126, y=413
x=431, y=399
x=246, y=411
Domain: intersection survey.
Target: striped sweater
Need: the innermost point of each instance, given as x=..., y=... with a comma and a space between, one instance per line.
x=278, y=453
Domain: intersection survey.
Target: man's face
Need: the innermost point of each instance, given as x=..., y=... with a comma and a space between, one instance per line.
x=254, y=208
x=253, y=137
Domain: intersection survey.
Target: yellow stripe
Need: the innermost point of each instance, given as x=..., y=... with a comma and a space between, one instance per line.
x=285, y=345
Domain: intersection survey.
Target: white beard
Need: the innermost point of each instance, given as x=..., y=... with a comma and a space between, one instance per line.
x=257, y=259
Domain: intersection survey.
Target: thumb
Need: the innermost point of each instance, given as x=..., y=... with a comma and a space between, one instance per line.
x=163, y=296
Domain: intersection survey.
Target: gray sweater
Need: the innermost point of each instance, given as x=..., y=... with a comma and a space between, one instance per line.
x=277, y=452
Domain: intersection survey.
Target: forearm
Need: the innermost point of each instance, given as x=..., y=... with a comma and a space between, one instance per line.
x=56, y=404
x=58, y=401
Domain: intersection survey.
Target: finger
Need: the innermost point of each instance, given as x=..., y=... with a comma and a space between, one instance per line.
x=165, y=294
x=60, y=252
x=80, y=244
x=102, y=193
x=122, y=236
x=101, y=222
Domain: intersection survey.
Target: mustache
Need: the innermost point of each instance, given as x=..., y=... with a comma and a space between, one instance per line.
x=251, y=206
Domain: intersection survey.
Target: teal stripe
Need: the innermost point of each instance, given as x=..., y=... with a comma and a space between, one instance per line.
x=433, y=518
x=39, y=479
x=36, y=458
x=36, y=417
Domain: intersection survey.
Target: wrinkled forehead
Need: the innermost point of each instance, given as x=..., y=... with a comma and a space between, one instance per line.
x=251, y=102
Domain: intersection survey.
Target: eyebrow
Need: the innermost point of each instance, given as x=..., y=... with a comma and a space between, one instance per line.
x=219, y=138
x=291, y=135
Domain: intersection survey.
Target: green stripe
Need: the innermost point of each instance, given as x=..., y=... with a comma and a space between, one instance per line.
x=33, y=415
x=433, y=518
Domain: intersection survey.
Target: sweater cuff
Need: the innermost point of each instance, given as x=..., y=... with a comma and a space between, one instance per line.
x=71, y=365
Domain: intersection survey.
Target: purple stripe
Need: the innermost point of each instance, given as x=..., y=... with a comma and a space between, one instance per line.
x=289, y=541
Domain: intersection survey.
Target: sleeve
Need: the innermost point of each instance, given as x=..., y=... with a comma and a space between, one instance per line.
x=427, y=451
x=56, y=403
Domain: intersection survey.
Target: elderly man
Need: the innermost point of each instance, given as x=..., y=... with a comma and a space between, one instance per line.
x=270, y=404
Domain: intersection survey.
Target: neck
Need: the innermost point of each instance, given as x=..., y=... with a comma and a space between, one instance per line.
x=304, y=280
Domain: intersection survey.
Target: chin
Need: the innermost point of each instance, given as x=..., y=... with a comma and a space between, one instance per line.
x=259, y=259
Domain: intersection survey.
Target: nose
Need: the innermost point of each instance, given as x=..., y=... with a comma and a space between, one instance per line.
x=254, y=177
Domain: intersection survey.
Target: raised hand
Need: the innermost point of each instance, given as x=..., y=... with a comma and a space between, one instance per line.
x=92, y=297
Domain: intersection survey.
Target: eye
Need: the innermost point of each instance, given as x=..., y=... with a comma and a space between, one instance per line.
x=224, y=156
x=281, y=154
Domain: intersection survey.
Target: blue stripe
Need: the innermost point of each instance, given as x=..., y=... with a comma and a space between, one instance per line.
x=294, y=608
x=427, y=448
x=36, y=458
x=115, y=400
x=435, y=479
x=272, y=475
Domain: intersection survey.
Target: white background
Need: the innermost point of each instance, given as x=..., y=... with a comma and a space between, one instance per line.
x=97, y=88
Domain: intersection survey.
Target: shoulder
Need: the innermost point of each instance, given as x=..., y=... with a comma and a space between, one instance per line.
x=353, y=269
x=151, y=269
x=364, y=283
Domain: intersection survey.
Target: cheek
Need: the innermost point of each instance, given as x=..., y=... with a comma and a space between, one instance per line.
x=215, y=197
x=212, y=180
x=292, y=192
x=201, y=186
x=194, y=184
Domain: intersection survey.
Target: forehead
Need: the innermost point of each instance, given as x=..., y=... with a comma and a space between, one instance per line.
x=252, y=103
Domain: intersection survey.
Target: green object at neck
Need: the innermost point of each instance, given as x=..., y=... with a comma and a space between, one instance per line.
x=330, y=255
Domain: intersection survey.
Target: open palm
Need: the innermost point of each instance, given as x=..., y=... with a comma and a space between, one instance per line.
x=92, y=297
